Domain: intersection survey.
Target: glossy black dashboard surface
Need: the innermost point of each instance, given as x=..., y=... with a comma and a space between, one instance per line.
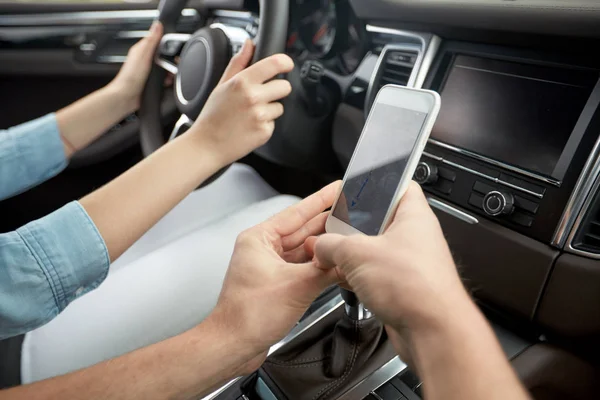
x=328, y=31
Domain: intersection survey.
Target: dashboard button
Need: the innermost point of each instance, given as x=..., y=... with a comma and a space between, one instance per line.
x=483, y=188
x=498, y=203
x=476, y=200
x=526, y=205
x=447, y=174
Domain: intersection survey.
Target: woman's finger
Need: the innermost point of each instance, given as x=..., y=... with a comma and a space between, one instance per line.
x=239, y=62
x=271, y=112
x=269, y=68
x=274, y=90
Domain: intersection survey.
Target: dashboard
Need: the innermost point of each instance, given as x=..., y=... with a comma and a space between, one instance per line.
x=518, y=128
x=328, y=31
x=512, y=169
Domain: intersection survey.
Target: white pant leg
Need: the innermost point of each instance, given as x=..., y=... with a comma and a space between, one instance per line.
x=238, y=188
x=158, y=296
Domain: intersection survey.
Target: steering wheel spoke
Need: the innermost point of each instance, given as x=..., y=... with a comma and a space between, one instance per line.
x=170, y=46
x=237, y=36
x=181, y=126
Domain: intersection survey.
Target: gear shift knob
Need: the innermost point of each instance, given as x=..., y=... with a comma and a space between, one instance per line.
x=354, y=308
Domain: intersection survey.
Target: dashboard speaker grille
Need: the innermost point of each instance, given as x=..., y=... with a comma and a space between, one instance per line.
x=588, y=236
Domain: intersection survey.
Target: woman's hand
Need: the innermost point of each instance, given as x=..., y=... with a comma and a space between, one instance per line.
x=240, y=114
x=131, y=80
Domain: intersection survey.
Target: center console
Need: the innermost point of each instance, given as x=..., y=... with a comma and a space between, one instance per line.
x=336, y=354
x=513, y=134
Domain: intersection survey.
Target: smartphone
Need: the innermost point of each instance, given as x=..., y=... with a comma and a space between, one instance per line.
x=384, y=160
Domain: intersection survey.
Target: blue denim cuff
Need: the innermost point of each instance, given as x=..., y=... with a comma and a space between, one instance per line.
x=31, y=153
x=70, y=250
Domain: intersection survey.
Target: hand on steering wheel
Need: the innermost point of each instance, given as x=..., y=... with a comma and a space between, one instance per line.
x=240, y=114
x=203, y=60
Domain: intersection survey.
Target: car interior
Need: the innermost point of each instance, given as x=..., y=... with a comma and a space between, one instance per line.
x=512, y=168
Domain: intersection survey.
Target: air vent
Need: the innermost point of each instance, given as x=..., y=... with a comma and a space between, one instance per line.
x=588, y=236
x=396, y=67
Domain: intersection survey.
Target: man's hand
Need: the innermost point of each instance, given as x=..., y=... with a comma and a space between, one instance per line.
x=410, y=261
x=271, y=280
x=408, y=279
x=240, y=114
x=131, y=80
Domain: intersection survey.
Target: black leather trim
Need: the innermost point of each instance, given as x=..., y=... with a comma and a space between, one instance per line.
x=10, y=361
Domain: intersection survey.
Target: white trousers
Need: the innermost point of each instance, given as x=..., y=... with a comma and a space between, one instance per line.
x=168, y=282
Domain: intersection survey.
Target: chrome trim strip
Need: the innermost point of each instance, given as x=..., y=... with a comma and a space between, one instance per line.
x=237, y=36
x=180, y=39
x=111, y=59
x=455, y=212
x=87, y=17
x=482, y=175
x=582, y=253
x=570, y=220
x=329, y=307
x=377, y=397
x=132, y=34
x=375, y=380
x=584, y=210
x=233, y=14
x=479, y=157
x=428, y=59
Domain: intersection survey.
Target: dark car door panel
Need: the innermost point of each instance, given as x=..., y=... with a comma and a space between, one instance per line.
x=49, y=60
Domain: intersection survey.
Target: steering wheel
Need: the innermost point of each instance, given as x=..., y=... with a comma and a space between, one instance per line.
x=204, y=56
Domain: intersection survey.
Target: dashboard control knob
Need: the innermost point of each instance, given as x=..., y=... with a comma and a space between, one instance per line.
x=426, y=173
x=498, y=203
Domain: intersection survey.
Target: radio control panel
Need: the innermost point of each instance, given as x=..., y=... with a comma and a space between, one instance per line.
x=486, y=190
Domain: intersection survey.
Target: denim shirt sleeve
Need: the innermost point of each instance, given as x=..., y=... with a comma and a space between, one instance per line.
x=30, y=154
x=47, y=264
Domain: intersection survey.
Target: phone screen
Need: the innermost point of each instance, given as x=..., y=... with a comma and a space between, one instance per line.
x=377, y=166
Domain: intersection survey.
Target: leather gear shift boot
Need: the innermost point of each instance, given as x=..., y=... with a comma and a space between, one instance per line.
x=327, y=361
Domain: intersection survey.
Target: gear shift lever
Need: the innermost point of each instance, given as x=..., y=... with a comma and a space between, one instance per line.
x=332, y=357
x=354, y=308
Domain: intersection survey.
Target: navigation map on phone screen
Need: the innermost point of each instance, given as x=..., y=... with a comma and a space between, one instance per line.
x=377, y=167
